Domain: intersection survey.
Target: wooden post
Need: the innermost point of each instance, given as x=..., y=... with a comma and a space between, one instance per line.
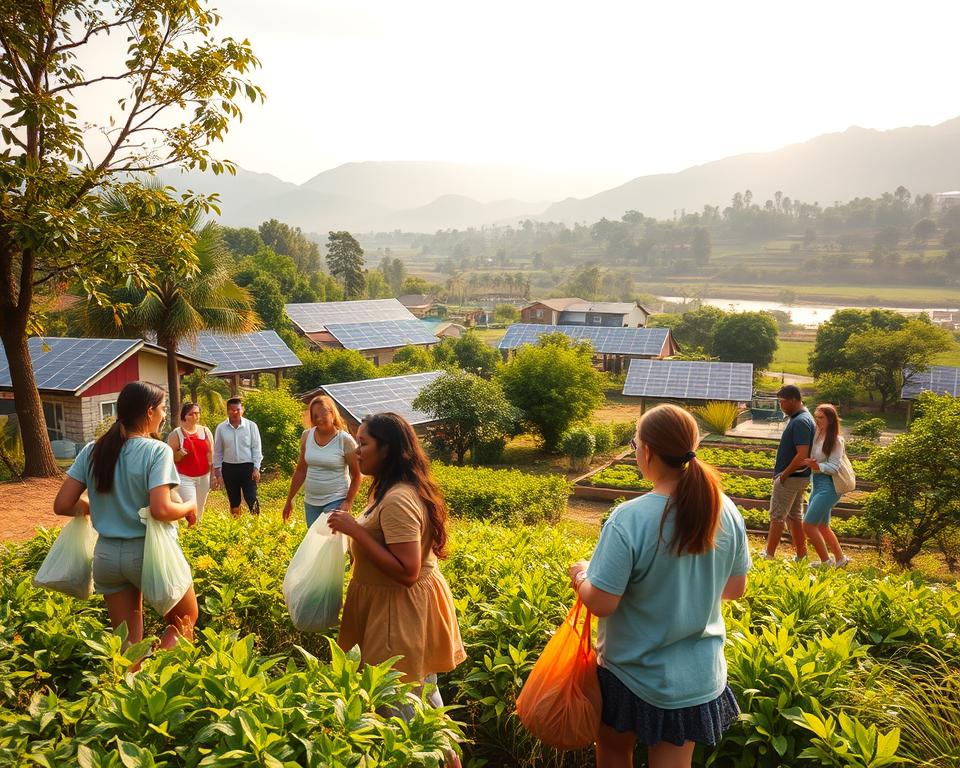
x=278, y=375
x=909, y=413
x=235, y=385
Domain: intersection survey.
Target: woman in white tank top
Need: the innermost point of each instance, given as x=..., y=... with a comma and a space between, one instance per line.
x=328, y=468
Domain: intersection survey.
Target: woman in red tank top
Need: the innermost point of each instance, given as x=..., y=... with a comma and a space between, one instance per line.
x=192, y=446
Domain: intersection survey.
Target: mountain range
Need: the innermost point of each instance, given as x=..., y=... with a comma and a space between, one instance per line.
x=427, y=196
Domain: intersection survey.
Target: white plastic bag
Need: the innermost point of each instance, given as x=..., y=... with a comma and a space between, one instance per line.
x=166, y=574
x=313, y=584
x=845, y=480
x=68, y=566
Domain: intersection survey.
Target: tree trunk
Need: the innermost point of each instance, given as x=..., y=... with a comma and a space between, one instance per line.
x=37, y=453
x=904, y=556
x=173, y=381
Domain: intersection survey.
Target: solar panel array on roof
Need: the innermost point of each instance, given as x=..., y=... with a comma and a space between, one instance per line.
x=382, y=335
x=68, y=364
x=259, y=351
x=315, y=317
x=606, y=341
x=690, y=380
x=393, y=393
x=942, y=379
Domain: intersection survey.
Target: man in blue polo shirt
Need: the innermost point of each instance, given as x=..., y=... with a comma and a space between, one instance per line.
x=791, y=475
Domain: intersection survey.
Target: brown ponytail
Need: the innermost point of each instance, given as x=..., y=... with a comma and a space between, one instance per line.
x=673, y=435
x=132, y=404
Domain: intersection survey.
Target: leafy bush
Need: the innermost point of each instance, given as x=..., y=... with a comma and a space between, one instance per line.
x=502, y=495
x=736, y=457
x=717, y=416
x=470, y=353
x=871, y=429
x=837, y=388
x=280, y=417
x=554, y=384
x=860, y=447
x=578, y=444
x=602, y=437
x=623, y=432
x=332, y=366
x=622, y=476
x=472, y=410
x=918, y=476
x=747, y=487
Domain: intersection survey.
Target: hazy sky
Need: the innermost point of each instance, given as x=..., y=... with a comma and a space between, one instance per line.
x=606, y=90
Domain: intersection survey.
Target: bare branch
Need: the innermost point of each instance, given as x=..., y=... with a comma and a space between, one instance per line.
x=80, y=84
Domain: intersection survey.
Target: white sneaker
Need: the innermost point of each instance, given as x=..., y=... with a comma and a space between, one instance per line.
x=767, y=556
x=820, y=564
x=843, y=562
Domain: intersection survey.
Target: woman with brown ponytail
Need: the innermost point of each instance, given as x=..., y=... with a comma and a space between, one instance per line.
x=662, y=566
x=398, y=603
x=127, y=469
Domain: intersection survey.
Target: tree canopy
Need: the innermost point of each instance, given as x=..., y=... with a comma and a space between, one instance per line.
x=553, y=384
x=181, y=86
x=332, y=366
x=746, y=337
x=345, y=260
x=829, y=355
x=472, y=410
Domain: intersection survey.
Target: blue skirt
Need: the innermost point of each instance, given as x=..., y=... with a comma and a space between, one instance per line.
x=704, y=723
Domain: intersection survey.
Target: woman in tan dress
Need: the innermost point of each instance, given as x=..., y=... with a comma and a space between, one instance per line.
x=398, y=603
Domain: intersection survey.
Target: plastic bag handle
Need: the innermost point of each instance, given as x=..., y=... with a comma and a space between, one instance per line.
x=586, y=634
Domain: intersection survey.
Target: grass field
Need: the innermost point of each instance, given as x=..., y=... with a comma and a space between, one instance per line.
x=490, y=335
x=791, y=357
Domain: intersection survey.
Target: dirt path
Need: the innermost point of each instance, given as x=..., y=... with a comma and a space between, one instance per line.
x=26, y=505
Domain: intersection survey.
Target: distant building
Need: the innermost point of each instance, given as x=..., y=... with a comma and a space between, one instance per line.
x=417, y=304
x=376, y=328
x=576, y=311
x=948, y=319
x=79, y=380
x=946, y=199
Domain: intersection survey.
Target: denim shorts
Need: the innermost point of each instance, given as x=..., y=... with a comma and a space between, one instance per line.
x=313, y=511
x=117, y=564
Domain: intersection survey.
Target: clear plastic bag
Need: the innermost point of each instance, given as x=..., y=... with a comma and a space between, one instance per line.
x=560, y=701
x=166, y=574
x=68, y=566
x=313, y=584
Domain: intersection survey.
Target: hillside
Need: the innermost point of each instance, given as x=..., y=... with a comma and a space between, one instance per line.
x=838, y=166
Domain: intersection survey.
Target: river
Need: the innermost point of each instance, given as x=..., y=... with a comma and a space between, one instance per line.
x=807, y=315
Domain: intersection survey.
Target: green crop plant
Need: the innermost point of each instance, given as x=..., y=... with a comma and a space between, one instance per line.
x=717, y=415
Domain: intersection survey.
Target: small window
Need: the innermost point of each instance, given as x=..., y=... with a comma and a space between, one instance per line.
x=53, y=416
x=108, y=410
x=539, y=314
x=597, y=319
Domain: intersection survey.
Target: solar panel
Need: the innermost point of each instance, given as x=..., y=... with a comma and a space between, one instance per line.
x=315, y=317
x=690, y=380
x=942, y=379
x=382, y=335
x=244, y=353
x=606, y=341
x=68, y=364
x=393, y=393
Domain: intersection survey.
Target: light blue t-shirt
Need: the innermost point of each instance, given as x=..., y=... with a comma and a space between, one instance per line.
x=665, y=640
x=144, y=464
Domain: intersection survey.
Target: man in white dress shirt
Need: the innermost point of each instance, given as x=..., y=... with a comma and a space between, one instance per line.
x=237, y=455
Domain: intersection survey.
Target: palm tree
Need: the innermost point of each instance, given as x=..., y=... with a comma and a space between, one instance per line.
x=209, y=392
x=185, y=301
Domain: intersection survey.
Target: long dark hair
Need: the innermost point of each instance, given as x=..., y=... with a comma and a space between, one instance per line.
x=672, y=434
x=832, y=431
x=132, y=404
x=406, y=462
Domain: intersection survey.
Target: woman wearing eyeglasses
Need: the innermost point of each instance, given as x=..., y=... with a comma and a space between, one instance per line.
x=192, y=445
x=663, y=564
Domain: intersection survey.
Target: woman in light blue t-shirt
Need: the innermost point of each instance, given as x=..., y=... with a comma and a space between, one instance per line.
x=662, y=566
x=127, y=469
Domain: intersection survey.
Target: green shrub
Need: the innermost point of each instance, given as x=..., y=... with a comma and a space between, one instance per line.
x=860, y=447
x=871, y=429
x=602, y=438
x=579, y=445
x=331, y=366
x=622, y=476
x=837, y=388
x=502, y=495
x=736, y=458
x=717, y=416
x=280, y=417
x=623, y=432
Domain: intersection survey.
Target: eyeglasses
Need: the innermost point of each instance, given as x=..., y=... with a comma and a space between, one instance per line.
x=633, y=443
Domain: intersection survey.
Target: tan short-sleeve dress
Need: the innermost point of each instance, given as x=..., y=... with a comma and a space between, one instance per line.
x=386, y=618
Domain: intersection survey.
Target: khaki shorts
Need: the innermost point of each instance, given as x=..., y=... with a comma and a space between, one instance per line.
x=117, y=564
x=786, y=501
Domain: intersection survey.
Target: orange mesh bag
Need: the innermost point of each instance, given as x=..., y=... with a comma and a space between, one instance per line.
x=560, y=702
